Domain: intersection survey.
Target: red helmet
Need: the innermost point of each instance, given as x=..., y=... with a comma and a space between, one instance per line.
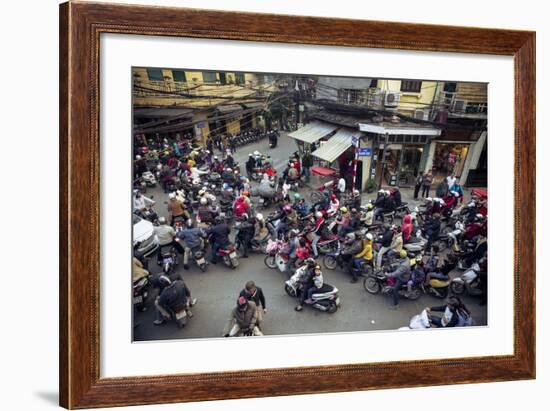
x=333, y=196
x=287, y=208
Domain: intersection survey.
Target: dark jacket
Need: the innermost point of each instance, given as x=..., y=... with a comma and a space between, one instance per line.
x=173, y=295
x=191, y=237
x=307, y=161
x=387, y=238
x=219, y=233
x=257, y=297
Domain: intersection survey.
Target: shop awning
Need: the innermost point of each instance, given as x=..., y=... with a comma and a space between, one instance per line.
x=323, y=171
x=313, y=131
x=336, y=145
x=229, y=108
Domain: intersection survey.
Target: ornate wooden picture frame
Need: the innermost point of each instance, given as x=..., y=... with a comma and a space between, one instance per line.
x=80, y=27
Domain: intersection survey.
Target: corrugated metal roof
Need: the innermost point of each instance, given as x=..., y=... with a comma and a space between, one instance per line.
x=336, y=145
x=258, y=104
x=230, y=108
x=313, y=131
x=153, y=112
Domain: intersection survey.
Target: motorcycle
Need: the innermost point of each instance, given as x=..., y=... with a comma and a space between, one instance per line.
x=276, y=255
x=229, y=256
x=169, y=259
x=325, y=299
x=149, y=179
x=200, y=260
x=469, y=281
x=179, y=314
x=140, y=289
x=437, y=288
x=378, y=283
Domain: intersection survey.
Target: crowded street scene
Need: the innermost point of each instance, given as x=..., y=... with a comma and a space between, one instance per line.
x=277, y=204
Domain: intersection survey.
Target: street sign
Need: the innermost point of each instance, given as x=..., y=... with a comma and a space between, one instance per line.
x=354, y=140
x=364, y=152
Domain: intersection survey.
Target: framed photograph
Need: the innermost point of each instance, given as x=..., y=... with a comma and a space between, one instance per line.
x=256, y=205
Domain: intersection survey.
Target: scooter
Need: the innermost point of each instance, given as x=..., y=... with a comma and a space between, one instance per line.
x=325, y=299
x=149, y=179
x=436, y=287
x=200, y=260
x=469, y=282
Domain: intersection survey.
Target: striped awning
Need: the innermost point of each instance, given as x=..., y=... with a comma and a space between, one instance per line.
x=313, y=131
x=336, y=145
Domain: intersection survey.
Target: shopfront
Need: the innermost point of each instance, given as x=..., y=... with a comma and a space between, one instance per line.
x=449, y=158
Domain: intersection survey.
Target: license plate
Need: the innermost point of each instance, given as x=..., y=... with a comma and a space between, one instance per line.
x=181, y=314
x=233, y=254
x=201, y=261
x=138, y=299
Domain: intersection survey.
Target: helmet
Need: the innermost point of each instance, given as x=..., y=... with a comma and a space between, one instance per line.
x=403, y=253
x=164, y=280
x=138, y=157
x=171, y=195
x=318, y=214
x=287, y=208
x=297, y=196
x=136, y=191
x=196, y=181
x=203, y=201
x=190, y=223
x=218, y=219
x=350, y=236
x=213, y=186
x=454, y=193
x=344, y=209
x=159, y=167
x=162, y=220
x=369, y=236
x=249, y=154
x=245, y=193
x=260, y=217
x=387, y=192
x=355, y=192
x=236, y=171
x=225, y=186
x=229, y=170
x=412, y=261
x=333, y=196
x=317, y=268
x=381, y=191
x=242, y=303
x=256, y=153
x=229, y=189
x=202, y=192
x=428, y=199
x=310, y=262
x=215, y=157
x=370, y=206
x=393, y=227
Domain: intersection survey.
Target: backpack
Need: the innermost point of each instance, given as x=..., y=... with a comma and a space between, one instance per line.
x=464, y=319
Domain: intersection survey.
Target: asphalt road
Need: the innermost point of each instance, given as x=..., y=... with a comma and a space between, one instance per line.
x=217, y=290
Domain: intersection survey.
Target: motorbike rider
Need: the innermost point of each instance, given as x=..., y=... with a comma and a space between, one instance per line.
x=176, y=208
x=352, y=246
x=365, y=255
x=140, y=166
x=418, y=275
x=205, y=212
x=220, y=237
x=401, y=275
x=246, y=233
x=355, y=199
x=229, y=160
x=173, y=294
x=320, y=230
x=255, y=294
x=217, y=166
x=243, y=319
x=165, y=235
x=385, y=243
x=193, y=241
x=142, y=203
x=382, y=204
x=407, y=228
x=368, y=217
x=432, y=228
x=342, y=220
x=250, y=164
x=334, y=205
x=240, y=207
x=455, y=314
x=260, y=229
x=311, y=282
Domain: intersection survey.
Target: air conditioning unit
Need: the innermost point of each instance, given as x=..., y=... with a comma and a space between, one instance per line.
x=421, y=114
x=392, y=99
x=459, y=106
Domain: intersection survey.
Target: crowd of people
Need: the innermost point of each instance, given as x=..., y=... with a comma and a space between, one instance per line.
x=210, y=199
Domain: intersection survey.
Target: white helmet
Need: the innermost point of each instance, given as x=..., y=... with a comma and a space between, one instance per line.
x=229, y=170
x=454, y=193
x=213, y=186
x=215, y=157
x=159, y=166
x=318, y=214
x=259, y=217
x=369, y=236
x=138, y=157
x=203, y=201
x=162, y=220
x=171, y=195
x=381, y=191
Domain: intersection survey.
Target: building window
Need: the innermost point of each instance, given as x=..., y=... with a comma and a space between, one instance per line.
x=351, y=96
x=209, y=77
x=411, y=86
x=155, y=74
x=179, y=75
x=239, y=78
x=449, y=88
x=476, y=108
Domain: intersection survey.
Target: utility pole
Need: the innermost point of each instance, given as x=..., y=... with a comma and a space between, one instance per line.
x=297, y=101
x=383, y=161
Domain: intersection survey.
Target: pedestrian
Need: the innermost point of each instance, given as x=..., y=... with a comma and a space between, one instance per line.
x=255, y=294
x=307, y=162
x=418, y=184
x=427, y=183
